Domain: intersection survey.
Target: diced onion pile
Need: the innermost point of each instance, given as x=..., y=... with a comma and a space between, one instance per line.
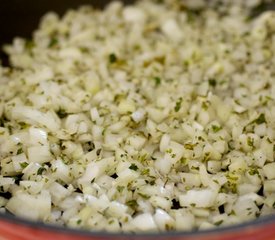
x=157, y=116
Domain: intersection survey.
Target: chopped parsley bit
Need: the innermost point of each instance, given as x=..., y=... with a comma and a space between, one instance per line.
x=144, y=195
x=232, y=187
x=89, y=146
x=189, y=146
x=98, y=151
x=24, y=164
x=142, y=158
x=17, y=178
x=216, y=181
x=183, y=160
x=145, y=171
x=132, y=203
x=218, y=223
x=79, y=221
x=205, y=105
x=62, y=113
x=84, y=49
x=216, y=128
x=133, y=167
x=23, y=125
x=261, y=119
x=157, y=81
x=268, y=98
x=200, y=138
x=120, y=188
x=19, y=151
x=206, y=156
x=232, y=182
x=186, y=63
x=112, y=58
x=178, y=105
x=169, y=150
x=212, y=82
x=253, y=171
x=53, y=42
x=232, y=213
x=111, y=221
x=40, y=170
x=250, y=142
x=2, y=122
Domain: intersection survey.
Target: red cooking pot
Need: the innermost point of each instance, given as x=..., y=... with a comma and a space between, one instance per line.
x=12, y=228
x=19, y=18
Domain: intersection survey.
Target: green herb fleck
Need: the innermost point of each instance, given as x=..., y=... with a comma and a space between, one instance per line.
x=178, y=105
x=53, y=42
x=98, y=151
x=218, y=223
x=145, y=171
x=189, y=146
x=111, y=221
x=78, y=221
x=19, y=151
x=183, y=160
x=250, y=142
x=132, y=203
x=157, y=81
x=112, y=58
x=120, y=188
x=84, y=49
x=216, y=128
x=194, y=168
x=24, y=164
x=205, y=105
x=261, y=119
x=212, y=82
x=17, y=178
x=142, y=157
x=2, y=122
x=23, y=125
x=62, y=113
x=133, y=167
x=89, y=146
x=253, y=171
x=40, y=170
x=206, y=156
x=144, y=195
x=169, y=150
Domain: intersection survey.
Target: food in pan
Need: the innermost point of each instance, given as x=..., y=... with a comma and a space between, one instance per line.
x=157, y=116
